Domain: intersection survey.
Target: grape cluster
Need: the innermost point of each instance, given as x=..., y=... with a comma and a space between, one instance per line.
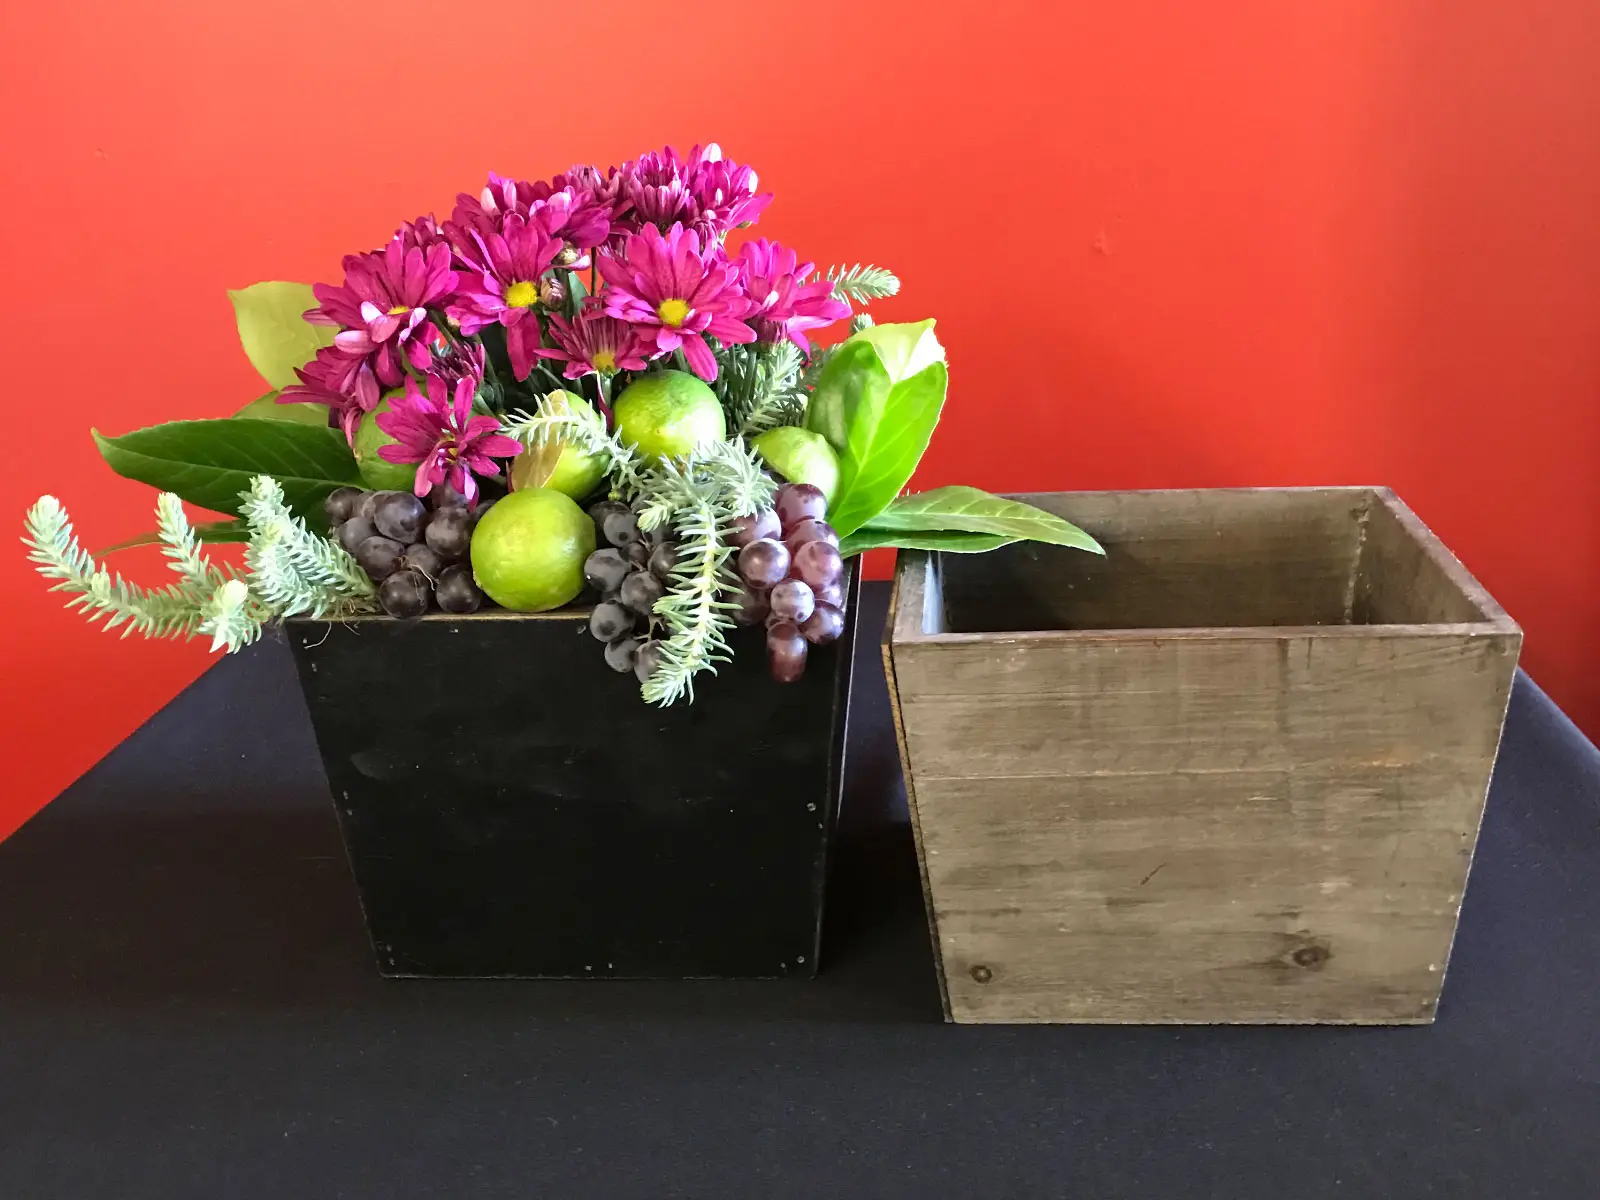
x=630, y=571
x=793, y=577
x=416, y=553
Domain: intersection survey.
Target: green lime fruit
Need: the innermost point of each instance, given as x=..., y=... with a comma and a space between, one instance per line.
x=377, y=473
x=669, y=414
x=800, y=456
x=528, y=550
x=576, y=472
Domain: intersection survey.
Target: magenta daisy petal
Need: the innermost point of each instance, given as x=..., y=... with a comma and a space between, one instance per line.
x=502, y=284
x=595, y=343
x=433, y=426
x=673, y=292
x=785, y=305
x=382, y=307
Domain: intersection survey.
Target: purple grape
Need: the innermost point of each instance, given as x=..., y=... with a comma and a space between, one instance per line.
x=340, y=504
x=600, y=511
x=645, y=660
x=831, y=593
x=818, y=564
x=786, y=652
x=404, y=594
x=810, y=530
x=355, y=531
x=764, y=562
x=367, y=505
x=638, y=554
x=792, y=601
x=662, y=560
x=640, y=591
x=620, y=654
x=824, y=625
x=449, y=533
x=401, y=516
x=604, y=570
x=455, y=590
x=752, y=607
x=379, y=557
x=799, y=502
x=764, y=524
x=609, y=621
x=620, y=528
x=424, y=558
x=442, y=496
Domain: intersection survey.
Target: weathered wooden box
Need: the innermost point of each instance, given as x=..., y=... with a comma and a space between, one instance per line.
x=1231, y=772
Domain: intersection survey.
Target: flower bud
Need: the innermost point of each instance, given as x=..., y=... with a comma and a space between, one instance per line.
x=552, y=294
x=568, y=255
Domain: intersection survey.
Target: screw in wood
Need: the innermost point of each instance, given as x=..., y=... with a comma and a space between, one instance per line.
x=981, y=973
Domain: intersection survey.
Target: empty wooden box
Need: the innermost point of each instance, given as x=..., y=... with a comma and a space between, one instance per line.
x=1231, y=772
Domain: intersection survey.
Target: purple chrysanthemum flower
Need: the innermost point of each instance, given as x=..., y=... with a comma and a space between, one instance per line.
x=436, y=430
x=675, y=294
x=382, y=309
x=502, y=283
x=703, y=191
x=344, y=382
x=423, y=233
x=596, y=343
x=785, y=304
x=573, y=207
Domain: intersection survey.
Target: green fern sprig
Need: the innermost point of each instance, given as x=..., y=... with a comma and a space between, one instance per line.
x=700, y=498
x=759, y=386
x=292, y=571
x=862, y=283
x=548, y=421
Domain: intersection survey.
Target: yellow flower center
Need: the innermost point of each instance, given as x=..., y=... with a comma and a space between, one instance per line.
x=673, y=312
x=522, y=294
x=604, y=360
x=399, y=310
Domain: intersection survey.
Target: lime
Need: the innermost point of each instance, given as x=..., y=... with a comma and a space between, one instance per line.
x=376, y=472
x=669, y=414
x=576, y=473
x=801, y=456
x=528, y=550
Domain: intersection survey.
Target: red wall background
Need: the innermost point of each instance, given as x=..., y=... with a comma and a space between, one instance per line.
x=1168, y=243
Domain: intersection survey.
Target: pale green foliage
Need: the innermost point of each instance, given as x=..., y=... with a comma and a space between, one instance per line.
x=292, y=571
x=582, y=432
x=862, y=283
x=759, y=386
x=859, y=322
x=700, y=497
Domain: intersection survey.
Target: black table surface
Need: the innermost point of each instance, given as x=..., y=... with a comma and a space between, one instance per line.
x=188, y=1008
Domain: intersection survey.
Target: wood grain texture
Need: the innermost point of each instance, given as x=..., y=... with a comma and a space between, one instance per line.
x=1242, y=823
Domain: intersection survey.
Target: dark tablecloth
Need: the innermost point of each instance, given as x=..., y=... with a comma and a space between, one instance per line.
x=188, y=1009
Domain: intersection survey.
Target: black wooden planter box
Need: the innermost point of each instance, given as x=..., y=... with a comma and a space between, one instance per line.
x=511, y=808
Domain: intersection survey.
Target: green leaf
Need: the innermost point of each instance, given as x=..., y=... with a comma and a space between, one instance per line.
x=947, y=540
x=276, y=338
x=973, y=510
x=209, y=463
x=877, y=402
x=212, y=533
x=267, y=408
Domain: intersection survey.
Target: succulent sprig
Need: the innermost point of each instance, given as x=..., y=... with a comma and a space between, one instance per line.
x=862, y=282
x=551, y=421
x=700, y=498
x=759, y=386
x=291, y=571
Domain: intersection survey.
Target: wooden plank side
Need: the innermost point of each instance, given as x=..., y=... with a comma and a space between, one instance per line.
x=1085, y=707
x=1188, y=897
x=1402, y=577
x=1173, y=559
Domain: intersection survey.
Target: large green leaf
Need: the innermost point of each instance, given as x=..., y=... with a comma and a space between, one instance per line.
x=210, y=462
x=276, y=338
x=268, y=408
x=877, y=402
x=973, y=510
x=949, y=541
x=210, y=532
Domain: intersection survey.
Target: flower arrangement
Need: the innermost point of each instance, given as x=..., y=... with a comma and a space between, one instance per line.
x=438, y=416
